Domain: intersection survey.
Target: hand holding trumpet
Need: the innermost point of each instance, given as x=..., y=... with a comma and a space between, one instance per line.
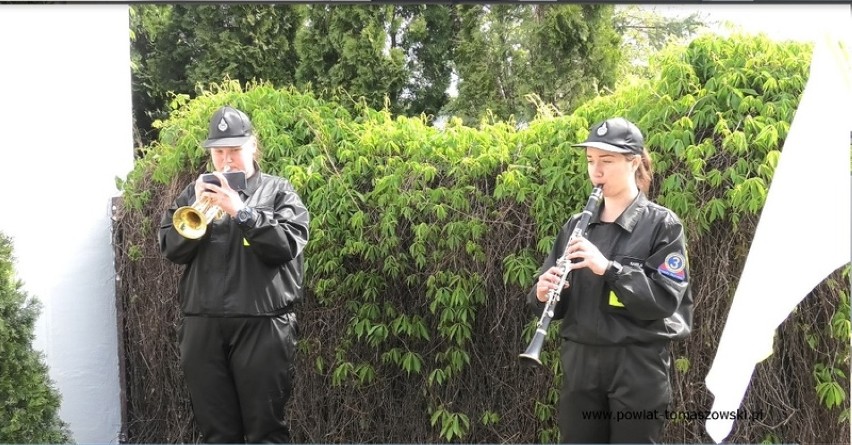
x=212, y=201
x=222, y=196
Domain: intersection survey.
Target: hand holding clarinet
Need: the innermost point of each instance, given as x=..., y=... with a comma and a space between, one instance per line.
x=578, y=247
x=556, y=278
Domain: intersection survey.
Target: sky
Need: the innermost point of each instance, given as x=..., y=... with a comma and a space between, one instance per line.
x=778, y=22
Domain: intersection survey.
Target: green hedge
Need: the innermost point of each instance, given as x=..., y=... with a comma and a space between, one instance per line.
x=425, y=240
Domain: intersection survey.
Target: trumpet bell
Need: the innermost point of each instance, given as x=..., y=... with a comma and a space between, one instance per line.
x=191, y=221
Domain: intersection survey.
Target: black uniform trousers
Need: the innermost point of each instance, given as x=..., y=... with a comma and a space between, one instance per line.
x=614, y=394
x=239, y=371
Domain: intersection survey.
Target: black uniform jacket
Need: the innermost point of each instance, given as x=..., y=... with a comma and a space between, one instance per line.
x=648, y=301
x=243, y=270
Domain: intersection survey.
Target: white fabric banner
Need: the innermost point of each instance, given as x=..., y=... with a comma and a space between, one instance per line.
x=803, y=234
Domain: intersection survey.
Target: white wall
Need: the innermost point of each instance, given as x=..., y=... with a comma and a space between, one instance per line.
x=65, y=134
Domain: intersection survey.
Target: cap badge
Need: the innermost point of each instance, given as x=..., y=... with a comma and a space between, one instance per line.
x=602, y=129
x=222, y=125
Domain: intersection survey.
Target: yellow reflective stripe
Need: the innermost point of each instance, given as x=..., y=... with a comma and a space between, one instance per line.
x=245, y=242
x=614, y=301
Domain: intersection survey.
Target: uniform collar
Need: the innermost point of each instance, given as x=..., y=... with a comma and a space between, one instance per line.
x=628, y=218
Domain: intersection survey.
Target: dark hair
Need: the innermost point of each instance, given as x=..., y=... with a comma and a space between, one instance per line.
x=645, y=172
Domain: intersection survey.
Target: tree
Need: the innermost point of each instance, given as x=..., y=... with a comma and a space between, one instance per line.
x=176, y=47
x=427, y=37
x=347, y=47
x=149, y=99
x=561, y=53
x=645, y=31
x=30, y=403
x=573, y=52
x=487, y=54
x=403, y=57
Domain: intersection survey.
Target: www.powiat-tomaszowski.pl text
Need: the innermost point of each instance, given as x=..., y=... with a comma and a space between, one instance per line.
x=618, y=416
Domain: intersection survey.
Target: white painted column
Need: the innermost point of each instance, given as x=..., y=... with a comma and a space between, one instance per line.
x=65, y=134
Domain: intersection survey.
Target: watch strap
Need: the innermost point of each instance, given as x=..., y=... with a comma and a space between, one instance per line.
x=612, y=270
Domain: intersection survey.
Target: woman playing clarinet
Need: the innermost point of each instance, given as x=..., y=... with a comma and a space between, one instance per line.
x=628, y=297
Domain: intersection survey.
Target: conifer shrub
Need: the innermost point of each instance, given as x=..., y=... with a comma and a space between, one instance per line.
x=29, y=401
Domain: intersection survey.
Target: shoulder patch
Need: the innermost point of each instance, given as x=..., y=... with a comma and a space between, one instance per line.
x=673, y=266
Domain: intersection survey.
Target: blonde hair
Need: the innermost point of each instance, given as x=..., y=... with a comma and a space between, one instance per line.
x=256, y=155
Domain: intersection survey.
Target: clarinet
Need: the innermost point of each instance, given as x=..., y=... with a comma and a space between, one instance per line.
x=531, y=355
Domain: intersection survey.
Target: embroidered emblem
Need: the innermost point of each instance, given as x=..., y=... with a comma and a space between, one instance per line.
x=602, y=129
x=673, y=266
x=222, y=125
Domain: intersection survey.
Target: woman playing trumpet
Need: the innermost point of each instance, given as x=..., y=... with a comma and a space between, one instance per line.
x=627, y=298
x=241, y=284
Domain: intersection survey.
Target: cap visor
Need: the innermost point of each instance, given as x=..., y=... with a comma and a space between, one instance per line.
x=603, y=146
x=226, y=142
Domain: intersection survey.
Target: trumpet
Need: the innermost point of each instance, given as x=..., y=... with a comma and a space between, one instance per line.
x=533, y=351
x=192, y=221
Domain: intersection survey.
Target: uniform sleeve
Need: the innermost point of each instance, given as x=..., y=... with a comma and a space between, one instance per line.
x=555, y=252
x=280, y=234
x=173, y=246
x=654, y=289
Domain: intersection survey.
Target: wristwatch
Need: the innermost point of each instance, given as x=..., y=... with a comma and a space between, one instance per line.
x=245, y=216
x=612, y=270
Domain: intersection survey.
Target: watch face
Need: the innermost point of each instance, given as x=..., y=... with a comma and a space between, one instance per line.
x=243, y=215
